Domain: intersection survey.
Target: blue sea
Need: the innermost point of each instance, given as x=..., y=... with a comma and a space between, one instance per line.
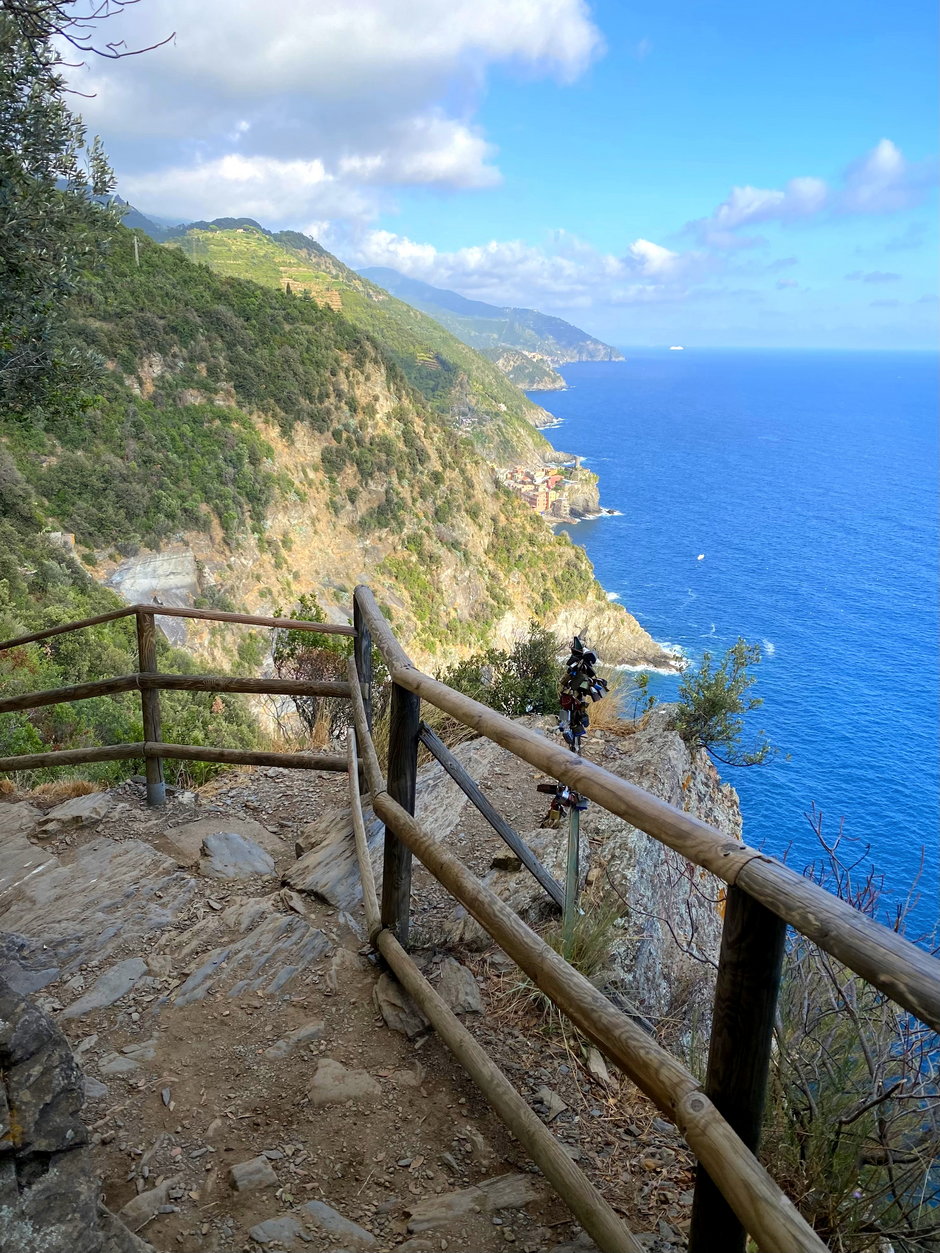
x=790, y=498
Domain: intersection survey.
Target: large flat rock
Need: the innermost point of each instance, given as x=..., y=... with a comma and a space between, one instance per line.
x=251, y=946
x=85, y=906
x=184, y=844
x=18, y=818
x=328, y=869
x=20, y=860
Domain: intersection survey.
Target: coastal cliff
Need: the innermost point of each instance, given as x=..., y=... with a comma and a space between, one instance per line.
x=584, y=499
x=529, y=370
x=249, y=447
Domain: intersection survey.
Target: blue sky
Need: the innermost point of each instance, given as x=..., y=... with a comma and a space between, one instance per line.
x=716, y=174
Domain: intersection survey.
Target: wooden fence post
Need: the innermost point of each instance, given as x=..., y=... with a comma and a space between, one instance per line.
x=752, y=943
x=363, y=654
x=404, y=722
x=150, y=704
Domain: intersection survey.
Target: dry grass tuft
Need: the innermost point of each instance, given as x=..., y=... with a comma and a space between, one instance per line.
x=7, y=787
x=62, y=790
x=617, y=713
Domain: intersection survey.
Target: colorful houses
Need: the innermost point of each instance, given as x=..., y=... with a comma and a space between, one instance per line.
x=545, y=490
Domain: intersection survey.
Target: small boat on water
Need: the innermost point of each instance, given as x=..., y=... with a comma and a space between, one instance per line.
x=677, y=348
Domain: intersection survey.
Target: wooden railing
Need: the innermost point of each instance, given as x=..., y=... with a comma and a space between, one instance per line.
x=149, y=682
x=720, y=1120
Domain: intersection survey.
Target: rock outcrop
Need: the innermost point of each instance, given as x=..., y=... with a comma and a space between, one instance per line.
x=48, y=1188
x=664, y=914
x=584, y=499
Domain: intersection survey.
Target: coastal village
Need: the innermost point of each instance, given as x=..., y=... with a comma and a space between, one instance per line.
x=552, y=490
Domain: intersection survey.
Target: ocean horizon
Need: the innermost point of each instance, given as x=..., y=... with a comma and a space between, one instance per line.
x=789, y=497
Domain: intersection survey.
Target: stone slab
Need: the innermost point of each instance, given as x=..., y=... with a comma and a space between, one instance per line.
x=231, y=855
x=184, y=844
x=108, y=987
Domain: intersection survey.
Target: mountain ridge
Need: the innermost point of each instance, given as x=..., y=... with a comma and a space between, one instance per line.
x=498, y=330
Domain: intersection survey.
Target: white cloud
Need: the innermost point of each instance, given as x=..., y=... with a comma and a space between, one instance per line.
x=567, y=273
x=247, y=186
x=432, y=151
x=882, y=181
x=382, y=93
x=335, y=48
x=748, y=206
x=654, y=260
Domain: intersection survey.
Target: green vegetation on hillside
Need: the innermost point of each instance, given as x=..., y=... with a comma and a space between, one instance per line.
x=144, y=459
x=41, y=585
x=457, y=382
x=201, y=373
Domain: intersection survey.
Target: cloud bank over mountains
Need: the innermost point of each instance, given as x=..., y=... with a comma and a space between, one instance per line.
x=569, y=273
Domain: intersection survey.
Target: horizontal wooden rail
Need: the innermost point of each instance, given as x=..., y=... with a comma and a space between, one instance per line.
x=247, y=619
x=77, y=691
x=261, y=687
x=172, y=611
x=71, y=757
x=247, y=757
x=65, y=627
x=177, y=752
x=765, y=1211
x=173, y=683
x=900, y=969
x=499, y=824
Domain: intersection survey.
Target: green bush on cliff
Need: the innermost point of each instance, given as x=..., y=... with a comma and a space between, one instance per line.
x=712, y=703
x=524, y=680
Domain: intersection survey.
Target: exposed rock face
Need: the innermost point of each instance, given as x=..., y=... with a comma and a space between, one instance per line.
x=584, y=498
x=169, y=577
x=614, y=634
x=531, y=371
x=672, y=909
x=48, y=1193
x=669, y=926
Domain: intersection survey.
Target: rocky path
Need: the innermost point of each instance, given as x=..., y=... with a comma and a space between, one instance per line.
x=252, y=1080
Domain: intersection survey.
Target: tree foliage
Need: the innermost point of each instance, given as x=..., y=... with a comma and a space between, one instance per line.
x=52, y=230
x=712, y=703
x=523, y=680
x=852, y=1130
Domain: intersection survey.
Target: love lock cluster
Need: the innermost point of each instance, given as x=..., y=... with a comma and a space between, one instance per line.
x=579, y=688
x=564, y=799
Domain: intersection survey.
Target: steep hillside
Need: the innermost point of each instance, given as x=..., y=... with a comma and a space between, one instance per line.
x=454, y=380
x=270, y=447
x=527, y=370
x=493, y=327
